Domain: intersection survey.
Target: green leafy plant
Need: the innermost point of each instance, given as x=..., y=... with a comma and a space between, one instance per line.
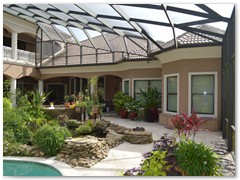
x=50, y=139
x=13, y=121
x=73, y=123
x=7, y=88
x=150, y=98
x=133, y=106
x=37, y=100
x=155, y=165
x=66, y=98
x=120, y=100
x=83, y=130
x=166, y=144
x=196, y=159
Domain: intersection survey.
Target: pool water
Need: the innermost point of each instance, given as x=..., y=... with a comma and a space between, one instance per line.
x=24, y=168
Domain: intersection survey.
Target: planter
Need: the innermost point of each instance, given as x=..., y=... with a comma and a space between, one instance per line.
x=95, y=110
x=133, y=115
x=151, y=115
x=124, y=114
x=67, y=104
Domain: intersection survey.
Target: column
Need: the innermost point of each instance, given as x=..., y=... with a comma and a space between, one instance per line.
x=13, y=91
x=40, y=86
x=14, y=45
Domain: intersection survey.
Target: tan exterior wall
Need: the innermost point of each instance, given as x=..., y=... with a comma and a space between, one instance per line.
x=183, y=67
x=112, y=80
x=113, y=84
x=17, y=71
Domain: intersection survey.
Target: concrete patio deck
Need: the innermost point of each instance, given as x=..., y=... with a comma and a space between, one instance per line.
x=126, y=155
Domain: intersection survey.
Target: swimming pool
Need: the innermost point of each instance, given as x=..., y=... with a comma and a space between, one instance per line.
x=25, y=168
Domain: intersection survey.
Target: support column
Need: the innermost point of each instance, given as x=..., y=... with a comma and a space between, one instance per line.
x=14, y=45
x=40, y=86
x=13, y=91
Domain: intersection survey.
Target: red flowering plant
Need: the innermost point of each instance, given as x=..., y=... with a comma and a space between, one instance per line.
x=187, y=126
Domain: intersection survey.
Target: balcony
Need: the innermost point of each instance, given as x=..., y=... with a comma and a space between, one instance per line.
x=23, y=57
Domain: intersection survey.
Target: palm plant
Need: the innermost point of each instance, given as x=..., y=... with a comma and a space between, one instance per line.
x=37, y=101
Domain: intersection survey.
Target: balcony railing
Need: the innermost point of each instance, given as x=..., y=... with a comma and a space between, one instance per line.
x=25, y=56
x=7, y=52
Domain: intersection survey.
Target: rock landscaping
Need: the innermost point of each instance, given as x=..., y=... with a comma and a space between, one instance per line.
x=138, y=135
x=84, y=152
x=88, y=150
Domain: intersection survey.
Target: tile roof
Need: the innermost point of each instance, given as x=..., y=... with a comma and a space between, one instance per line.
x=137, y=50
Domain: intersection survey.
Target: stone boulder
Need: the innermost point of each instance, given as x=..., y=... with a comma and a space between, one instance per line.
x=138, y=137
x=84, y=152
x=118, y=129
x=113, y=139
x=63, y=119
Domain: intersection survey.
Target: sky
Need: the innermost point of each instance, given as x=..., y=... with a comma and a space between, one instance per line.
x=158, y=33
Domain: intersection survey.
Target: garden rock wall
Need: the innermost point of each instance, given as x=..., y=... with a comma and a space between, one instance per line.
x=70, y=112
x=84, y=152
x=138, y=137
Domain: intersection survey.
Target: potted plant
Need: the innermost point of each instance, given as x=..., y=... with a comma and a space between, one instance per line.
x=151, y=100
x=72, y=99
x=120, y=101
x=67, y=103
x=133, y=109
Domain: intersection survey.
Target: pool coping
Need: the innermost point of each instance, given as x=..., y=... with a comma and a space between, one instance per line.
x=63, y=168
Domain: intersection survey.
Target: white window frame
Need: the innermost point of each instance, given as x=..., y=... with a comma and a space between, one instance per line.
x=139, y=79
x=165, y=93
x=124, y=87
x=215, y=92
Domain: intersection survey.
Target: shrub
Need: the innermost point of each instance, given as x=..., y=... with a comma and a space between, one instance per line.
x=83, y=130
x=120, y=100
x=197, y=159
x=13, y=122
x=73, y=123
x=50, y=139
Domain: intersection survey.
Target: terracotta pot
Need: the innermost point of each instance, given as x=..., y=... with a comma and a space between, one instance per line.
x=95, y=110
x=67, y=104
x=124, y=114
x=133, y=115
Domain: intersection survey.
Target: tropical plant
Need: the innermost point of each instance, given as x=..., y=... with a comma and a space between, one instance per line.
x=150, y=98
x=133, y=106
x=37, y=101
x=93, y=83
x=50, y=139
x=187, y=126
x=197, y=159
x=155, y=165
x=120, y=100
